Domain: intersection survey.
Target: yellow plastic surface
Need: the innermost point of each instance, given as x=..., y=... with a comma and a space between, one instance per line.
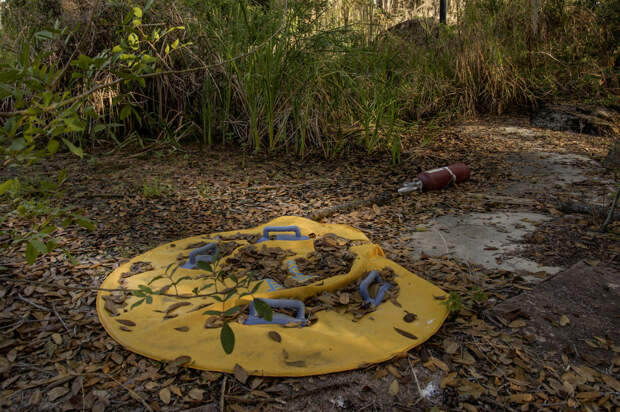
x=334, y=343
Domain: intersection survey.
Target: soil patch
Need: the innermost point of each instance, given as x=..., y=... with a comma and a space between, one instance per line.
x=576, y=312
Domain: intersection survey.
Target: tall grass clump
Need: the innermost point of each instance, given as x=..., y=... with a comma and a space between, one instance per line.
x=327, y=76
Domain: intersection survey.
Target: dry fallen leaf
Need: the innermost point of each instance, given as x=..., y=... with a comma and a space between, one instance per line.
x=241, y=374
x=518, y=323
x=405, y=333
x=182, y=328
x=126, y=322
x=274, y=336
x=175, y=306
x=56, y=393
x=564, y=320
x=409, y=317
x=164, y=395
x=57, y=338
x=394, y=371
x=521, y=398
x=196, y=394
x=393, y=390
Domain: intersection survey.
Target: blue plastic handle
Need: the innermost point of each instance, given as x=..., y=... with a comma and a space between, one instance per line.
x=373, y=276
x=205, y=253
x=269, y=229
x=278, y=318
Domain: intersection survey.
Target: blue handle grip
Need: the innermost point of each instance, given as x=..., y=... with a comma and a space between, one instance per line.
x=205, y=253
x=278, y=318
x=269, y=229
x=372, y=276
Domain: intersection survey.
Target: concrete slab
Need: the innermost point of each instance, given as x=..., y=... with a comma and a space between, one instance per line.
x=481, y=238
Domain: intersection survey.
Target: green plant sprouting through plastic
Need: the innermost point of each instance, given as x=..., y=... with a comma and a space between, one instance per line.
x=213, y=278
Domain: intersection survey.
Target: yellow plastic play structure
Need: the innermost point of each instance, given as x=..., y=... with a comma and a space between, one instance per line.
x=155, y=304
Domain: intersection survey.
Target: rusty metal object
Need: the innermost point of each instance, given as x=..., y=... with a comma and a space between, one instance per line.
x=437, y=178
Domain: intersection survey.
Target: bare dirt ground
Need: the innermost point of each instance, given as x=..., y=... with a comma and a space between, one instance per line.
x=54, y=354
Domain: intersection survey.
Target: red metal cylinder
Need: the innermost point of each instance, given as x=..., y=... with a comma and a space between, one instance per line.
x=444, y=176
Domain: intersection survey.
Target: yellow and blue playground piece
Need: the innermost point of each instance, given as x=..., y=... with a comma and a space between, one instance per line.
x=333, y=340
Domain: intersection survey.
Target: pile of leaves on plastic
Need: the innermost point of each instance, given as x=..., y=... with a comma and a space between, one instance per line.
x=349, y=299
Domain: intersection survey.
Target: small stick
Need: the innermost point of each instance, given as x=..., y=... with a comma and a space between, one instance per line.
x=36, y=305
x=417, y=383
x=222, y=396
x=60, y=319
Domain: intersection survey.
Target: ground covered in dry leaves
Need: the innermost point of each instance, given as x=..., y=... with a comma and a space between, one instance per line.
x=54, y=354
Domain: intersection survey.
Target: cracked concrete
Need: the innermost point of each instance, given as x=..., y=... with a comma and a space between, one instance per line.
x=481, y=238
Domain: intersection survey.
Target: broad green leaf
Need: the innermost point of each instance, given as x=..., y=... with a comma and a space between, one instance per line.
x=227, y=337
x=74, y=149
x=204, y=266
x=39, y=246
x=31, y=253
x=232, y=311
x=263, y=309
x=85, y=223
x=149, y=300
x=145, y=288
x=51, y=245
x=138, y=293
x=52, y=146
x=6, y=185
x=18, y=144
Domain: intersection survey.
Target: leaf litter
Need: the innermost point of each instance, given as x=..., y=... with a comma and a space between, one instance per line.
x=474, y=362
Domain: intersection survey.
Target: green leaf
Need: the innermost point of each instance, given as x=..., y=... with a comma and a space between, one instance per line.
x=212, y=313
x=145, y=288
x=44, y=35
x=31, y=253
x=208, y=285
x=138, y=293
x=51, y=245
x=255, y=288
x=230, y=294
x=263, y=309
x=5, y=186
x=85, y=223
x=219, y=299
x=204, y=266
x=149, y=300
x=39, y=246
x=137, y=11
x=227, y=337
x=138, y=303
x=52, y=146
x=74, y=149
x=232, y=311
x=17, y=145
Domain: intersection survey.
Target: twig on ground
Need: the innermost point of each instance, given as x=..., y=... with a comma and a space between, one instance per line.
x=36, y=305
x=223, y=395
x=417, y=383
x=60, y=319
